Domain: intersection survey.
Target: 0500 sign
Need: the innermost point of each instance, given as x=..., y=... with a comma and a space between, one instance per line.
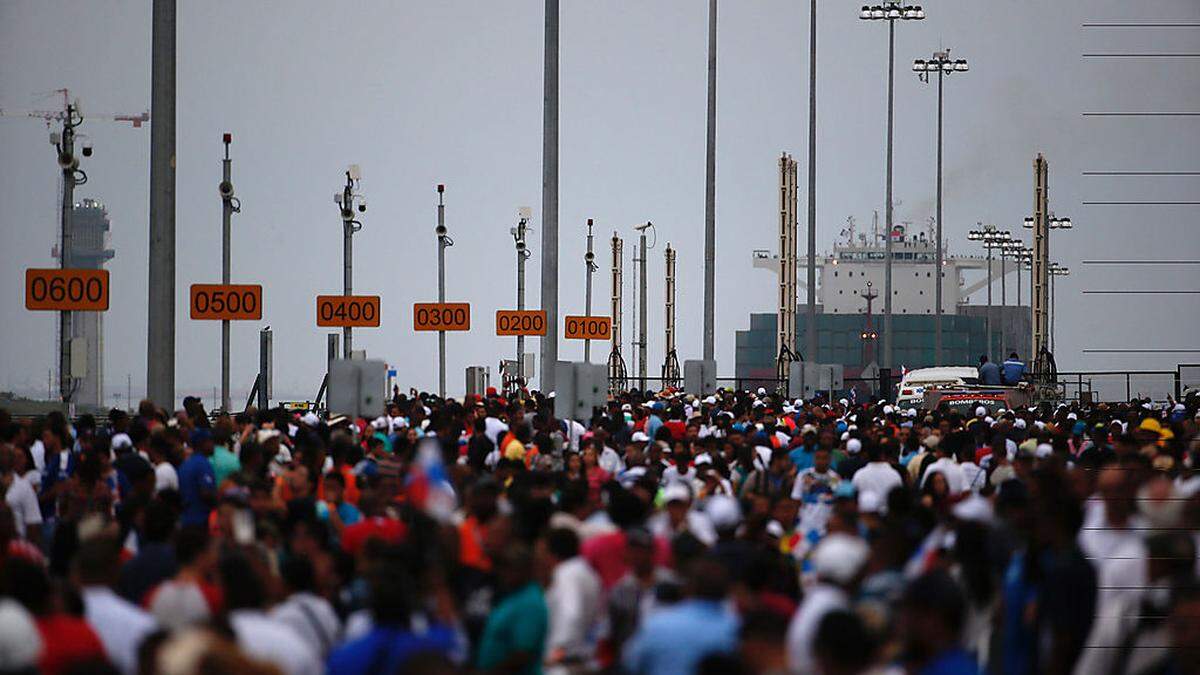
x=348, y=311
x=226, y=302
x=70, y=290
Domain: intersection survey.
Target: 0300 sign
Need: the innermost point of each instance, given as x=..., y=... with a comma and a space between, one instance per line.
x=440, y=316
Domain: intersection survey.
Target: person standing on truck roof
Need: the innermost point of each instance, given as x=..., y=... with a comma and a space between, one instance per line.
x=1013, y=370
x=989, y=373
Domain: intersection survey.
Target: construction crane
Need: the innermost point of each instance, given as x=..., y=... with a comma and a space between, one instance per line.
x=52, y=116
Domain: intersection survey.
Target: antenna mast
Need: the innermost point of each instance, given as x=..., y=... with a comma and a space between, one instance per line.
x=670, y=369
x=616, y=364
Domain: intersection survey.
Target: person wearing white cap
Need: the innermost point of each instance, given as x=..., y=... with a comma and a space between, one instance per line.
x=677, y=516
x=838, y=562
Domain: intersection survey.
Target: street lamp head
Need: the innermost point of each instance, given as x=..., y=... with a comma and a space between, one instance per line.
x=1028, y=224
x=893, y=12
x=919, y=65
x=961, y=66
x=1065, y=223
x=918, y=13
x=947, y=66
x=865, y=12
x=878, y=12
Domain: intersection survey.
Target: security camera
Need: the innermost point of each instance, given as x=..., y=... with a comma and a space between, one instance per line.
x=441, y=230
x=520, y=246
x=226, y=189
x=589, y=256
x=65, y=159
x=347, y=214
x=362, y=207
x=87, y=149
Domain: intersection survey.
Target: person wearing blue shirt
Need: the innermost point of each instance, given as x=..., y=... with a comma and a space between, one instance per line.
x=1013, y=370
x=989, y=373
x=197, y=481
x=674, y=640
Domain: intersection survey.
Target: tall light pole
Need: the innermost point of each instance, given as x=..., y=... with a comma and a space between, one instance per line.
x=890, y=12
x=160, y=308
x=589, y=261
x=229, y=206
x=345, y=202
x=549, y=299
x=444, y=242
x=710, y=192
x=72, y=176
x=942, y=65
x=992, y=239
x=523, y=253
x=810, y=341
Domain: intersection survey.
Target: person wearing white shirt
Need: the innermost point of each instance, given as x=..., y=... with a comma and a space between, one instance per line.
x=20, y=497
x=877, y=476
x=494, y=429
x=573, y=601
x=955, y=478
x=120, y=625
x=261, y=636
x=309, y=615
x=836, y=561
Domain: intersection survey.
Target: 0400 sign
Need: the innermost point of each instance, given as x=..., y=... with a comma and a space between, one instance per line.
x=226, y=302
x=70, y=290
x=348, y=311
x=440, y=316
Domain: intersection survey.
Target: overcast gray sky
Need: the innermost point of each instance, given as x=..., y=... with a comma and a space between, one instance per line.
x=421, y=93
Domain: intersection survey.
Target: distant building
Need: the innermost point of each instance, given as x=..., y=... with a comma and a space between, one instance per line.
x=90, y=250
x=843, y=278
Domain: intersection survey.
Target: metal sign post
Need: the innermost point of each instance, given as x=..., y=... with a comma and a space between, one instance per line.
x=589, y=261
x=523, y=215
x=444, y=242
x=345, y=201
x=229, y=206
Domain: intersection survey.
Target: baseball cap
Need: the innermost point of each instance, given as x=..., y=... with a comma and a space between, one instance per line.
x=839, y=557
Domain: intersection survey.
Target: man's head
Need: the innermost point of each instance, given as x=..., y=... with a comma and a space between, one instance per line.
x=983, y=359
x=932, y=612
x=822, y=458
x=202, y=441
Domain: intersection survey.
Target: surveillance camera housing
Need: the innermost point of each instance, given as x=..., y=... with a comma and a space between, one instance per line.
x=589, y=256
x=226, y=189
x=65, y=159
x=347, y=215
x=520, y=246
x=441, y=230
x=87, y=150
x=362, y=208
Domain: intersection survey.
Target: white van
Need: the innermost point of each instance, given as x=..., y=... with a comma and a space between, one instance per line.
x=911, y=391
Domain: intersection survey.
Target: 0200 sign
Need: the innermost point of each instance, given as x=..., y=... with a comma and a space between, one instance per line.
x=348, y=311
x=226, y=302
x=520, y=322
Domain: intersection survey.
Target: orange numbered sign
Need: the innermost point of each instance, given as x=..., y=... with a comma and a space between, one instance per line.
x=348, y=311
x=226, y=302
x=71, y=290
x=440, y=316
x=588, y=328
x=520, y=322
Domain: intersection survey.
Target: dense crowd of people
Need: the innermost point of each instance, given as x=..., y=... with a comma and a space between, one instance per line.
x=739, y=532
